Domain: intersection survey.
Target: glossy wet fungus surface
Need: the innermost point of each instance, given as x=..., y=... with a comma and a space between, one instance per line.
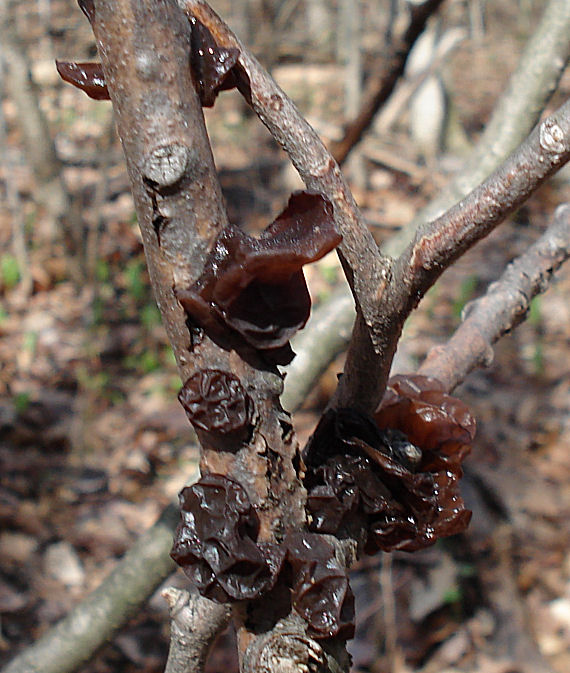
x=216, y=403
x=214, y=68
x=397, y=475
x=391, y=487
x=216, y=545
x=252, y=292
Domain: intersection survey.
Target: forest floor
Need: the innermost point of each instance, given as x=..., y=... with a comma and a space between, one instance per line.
x=94, y=444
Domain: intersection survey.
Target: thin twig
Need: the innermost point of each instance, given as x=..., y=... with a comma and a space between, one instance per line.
x=195, y=624
x=380, y=88
x=503, y=307
x=75, y=639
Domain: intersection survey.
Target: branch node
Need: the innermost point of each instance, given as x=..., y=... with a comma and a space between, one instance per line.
x=286, y=650
x=552, y=137
x=166, y=164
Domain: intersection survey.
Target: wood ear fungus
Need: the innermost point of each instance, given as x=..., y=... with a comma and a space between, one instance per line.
x=252, y=292
x=395, y=476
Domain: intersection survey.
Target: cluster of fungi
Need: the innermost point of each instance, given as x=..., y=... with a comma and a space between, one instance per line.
x=389, y=481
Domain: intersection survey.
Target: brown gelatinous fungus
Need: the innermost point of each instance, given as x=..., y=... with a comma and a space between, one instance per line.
x=85, y=76
x=88, y=8
x=431, y=418
x=213, y=67
x=321, y=593
x=398, y=478
x=215, y=543
x=216, y=402
x=252, y=294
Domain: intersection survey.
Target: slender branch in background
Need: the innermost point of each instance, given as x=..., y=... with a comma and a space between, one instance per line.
x=503, y=307
x=75, y=639
x=195, y=624
x=326, y=335
x=381, y=85
x=535, y=79
x=14, y=203
x=40, y=151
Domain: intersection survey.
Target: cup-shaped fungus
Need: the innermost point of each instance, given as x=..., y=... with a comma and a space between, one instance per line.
x=396, y=477
x=213, y=67
x=215, y=543
x=321, y=593
x=216, y=403
x=252, y=294
x=85, y=76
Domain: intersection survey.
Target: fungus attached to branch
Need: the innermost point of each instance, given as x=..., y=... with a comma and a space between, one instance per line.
x=397, y=478
x=215, y=543
x=252, y=294
x=216, y=546
x=216, y=403
x=88, y=8
x=321, y=593
x=213, y=67
x=85, y=76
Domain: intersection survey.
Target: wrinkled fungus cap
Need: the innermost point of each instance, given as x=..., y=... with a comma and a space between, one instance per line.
x=395, y=476
x=252, y=293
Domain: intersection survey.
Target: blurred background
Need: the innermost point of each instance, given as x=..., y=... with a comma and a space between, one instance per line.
x=93, y=443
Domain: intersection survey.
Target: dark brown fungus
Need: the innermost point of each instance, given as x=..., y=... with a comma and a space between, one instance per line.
x=320, y=592
x=216, y=402
x=419, y=407
x=212, y=65
x=400, y=475
x=215, y=543
x=252, y=293
x=85, y=76
x=88, y=8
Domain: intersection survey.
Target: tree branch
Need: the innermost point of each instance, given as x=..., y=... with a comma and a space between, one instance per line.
x=437, y=245
x=502, y=308
x=531, y=85
x=366, y=269
x=144, y=47
x=381, y=86
x=75, y=639
x=195, y=624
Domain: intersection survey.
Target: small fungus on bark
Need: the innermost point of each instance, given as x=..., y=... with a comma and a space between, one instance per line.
x=321, y=592
x=85, y=76
x=252, y=292
x=395, y=476
x=215, y=543
x=88, y=8
x=213, y=67
x=216, y=403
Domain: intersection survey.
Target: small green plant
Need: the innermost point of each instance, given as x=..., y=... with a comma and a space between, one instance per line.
x=21, y=402
x=10, y=271
x=136, y=279
x=466, y=293
x=150, y=316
